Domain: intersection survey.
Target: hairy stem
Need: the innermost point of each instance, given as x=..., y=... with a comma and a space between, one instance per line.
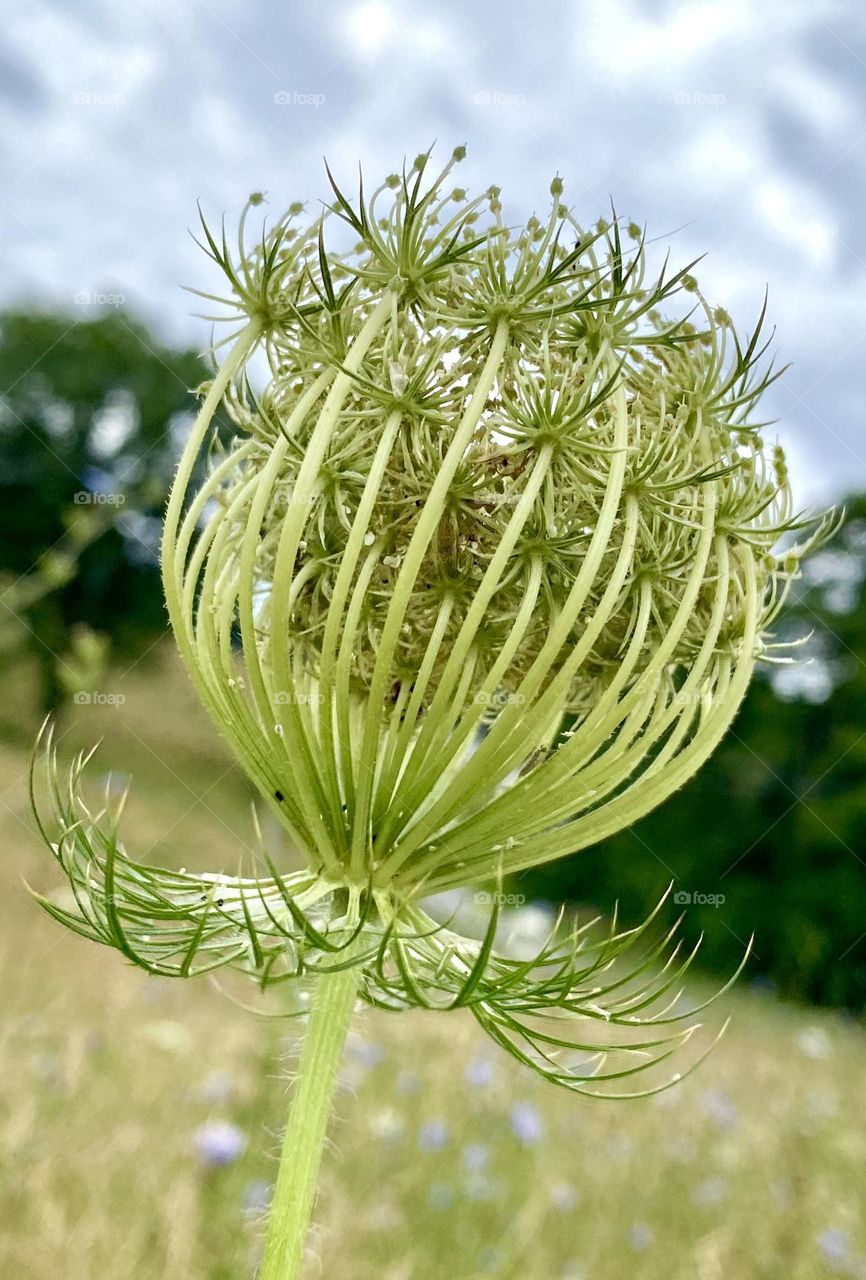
x=295, y=1191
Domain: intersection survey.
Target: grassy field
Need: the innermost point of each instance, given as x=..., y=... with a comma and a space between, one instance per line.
x=139, y=1119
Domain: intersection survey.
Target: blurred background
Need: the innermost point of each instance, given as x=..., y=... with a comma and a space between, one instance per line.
x=137, y=1123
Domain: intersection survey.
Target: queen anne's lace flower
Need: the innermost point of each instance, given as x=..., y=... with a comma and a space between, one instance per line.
x=481, y=578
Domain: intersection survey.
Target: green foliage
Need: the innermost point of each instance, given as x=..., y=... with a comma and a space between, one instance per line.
x=88, y=414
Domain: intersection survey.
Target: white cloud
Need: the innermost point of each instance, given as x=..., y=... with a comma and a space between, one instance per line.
x=620, y=37
x=96, y=196
x=818, y=102
x=724, y=151
x=793, y=212
x=369, y=27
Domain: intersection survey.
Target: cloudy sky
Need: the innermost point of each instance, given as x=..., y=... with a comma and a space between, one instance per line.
x=736, y=127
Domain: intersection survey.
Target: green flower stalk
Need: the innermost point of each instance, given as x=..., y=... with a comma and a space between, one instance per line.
x=481, y=578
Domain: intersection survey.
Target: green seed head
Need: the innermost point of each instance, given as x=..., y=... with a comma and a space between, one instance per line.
x=484, y=574
x=501, y=481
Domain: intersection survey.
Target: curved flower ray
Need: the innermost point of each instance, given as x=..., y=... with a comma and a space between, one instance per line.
x=554, y=1011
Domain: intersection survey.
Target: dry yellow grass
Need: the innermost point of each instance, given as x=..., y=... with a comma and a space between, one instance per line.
x=448, y=1162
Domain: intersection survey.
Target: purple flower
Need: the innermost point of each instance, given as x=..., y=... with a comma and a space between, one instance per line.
x=433, y=1135
x=526, y=1123
x=219, y=1143
x=479, y=1072
x=366, y=1052
x=833, y=1243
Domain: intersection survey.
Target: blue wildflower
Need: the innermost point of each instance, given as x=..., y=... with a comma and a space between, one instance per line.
x=526, y=1123
x=433, y=1135
x=366, y=1052
x=479, y=1072
x=219, y=1143
x=833, y=1243
x=719, y=1106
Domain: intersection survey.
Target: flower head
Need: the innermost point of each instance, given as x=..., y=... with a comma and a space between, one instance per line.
x=219, y=1143
x=481, y=578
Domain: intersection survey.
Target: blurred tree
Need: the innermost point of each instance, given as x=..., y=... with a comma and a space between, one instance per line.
x=776, y=821
x=90, y=415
